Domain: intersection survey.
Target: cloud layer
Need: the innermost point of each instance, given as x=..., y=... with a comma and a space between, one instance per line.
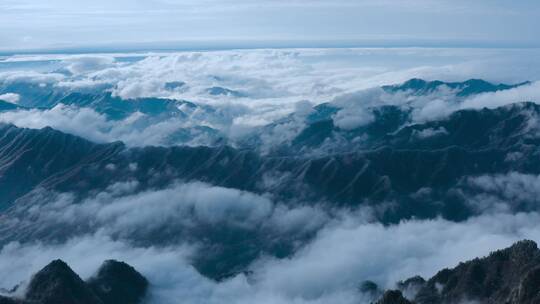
x=346, y=248
x=331, y=268
x=266, y=86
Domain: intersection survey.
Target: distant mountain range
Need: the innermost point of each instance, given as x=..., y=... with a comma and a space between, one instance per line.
x=319, y=133
x=387, y=166
x=463, y=89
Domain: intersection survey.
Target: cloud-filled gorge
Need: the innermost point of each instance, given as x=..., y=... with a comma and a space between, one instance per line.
x=267, y=176
x=121, y=225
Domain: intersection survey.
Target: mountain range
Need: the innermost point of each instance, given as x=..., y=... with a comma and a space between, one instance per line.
x=391, y=160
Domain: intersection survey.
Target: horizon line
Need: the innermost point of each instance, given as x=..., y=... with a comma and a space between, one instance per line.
x=245, y=44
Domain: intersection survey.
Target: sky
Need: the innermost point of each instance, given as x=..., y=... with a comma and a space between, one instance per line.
x=57, y=24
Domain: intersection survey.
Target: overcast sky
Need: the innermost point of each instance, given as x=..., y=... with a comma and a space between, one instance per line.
x=31, y=24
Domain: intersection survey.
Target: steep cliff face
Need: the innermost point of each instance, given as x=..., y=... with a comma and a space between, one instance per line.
x=508, y=276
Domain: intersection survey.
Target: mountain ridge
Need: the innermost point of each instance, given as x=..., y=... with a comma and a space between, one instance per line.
x=115, y=283
x=509, y=276
x=349, y=176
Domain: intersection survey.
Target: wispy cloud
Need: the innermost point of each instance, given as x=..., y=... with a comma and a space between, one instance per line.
x=346, y=250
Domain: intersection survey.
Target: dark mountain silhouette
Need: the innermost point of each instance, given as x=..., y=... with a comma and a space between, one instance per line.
x=219, y=91
x=30, y=157
x=57, y=283
x=393, y=297
x=508, y=276
x=392, y=127
x=118, y=283
x=115, y=283
x=7, y=106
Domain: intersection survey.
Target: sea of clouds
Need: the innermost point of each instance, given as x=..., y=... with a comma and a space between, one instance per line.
x=268, y=85
x=335, y=250
x=346, y=249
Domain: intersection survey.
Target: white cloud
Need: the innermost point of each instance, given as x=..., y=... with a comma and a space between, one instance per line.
x=329, y=269
x=85, y=64
x=345, y=254
x=30, y=76
x=352, y=118
x=514, y=185
x=167, y=269
x=124, y=211
x=434, y=109
x=136, y=130
x=347, y=248
x=10, y=97
x=356, y=108
x=513, y=191
x=72, y=120
x=430, y=132
x=501, y=98
x=277, y=83
x=119, y=217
